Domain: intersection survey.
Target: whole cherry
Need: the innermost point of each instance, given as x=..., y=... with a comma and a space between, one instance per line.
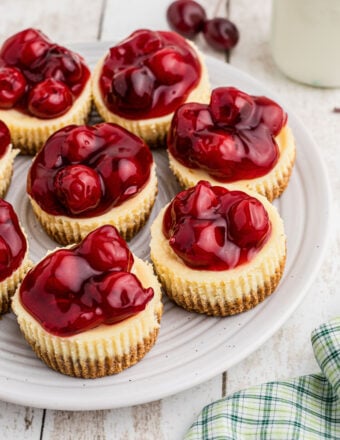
x=49, y=99
x=133, y=88
x=248, y=223
x=186, y=17
x=78, y=188
x=12, y=86
x=220, y=33
x=105, y=250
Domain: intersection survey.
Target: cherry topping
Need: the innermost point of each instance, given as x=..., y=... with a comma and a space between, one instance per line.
x=78, y=188
x=29, y=40
x=133, y=88
x=220, y=33
x=212, y=228
x=29, y=60
x=49, y=99
x=85, y=171
x=4, y=255
x=12, y=241
x=149, y=74
x=232, y=138
x=186, y=17
x=5, y=138
x=106, y=249
x=12, y=86
x=72, y=290
x=249, y=223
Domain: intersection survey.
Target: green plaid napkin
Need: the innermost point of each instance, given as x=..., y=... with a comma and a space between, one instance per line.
x=305, y=408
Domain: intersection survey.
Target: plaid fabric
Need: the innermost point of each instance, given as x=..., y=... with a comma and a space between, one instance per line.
x=305, y=408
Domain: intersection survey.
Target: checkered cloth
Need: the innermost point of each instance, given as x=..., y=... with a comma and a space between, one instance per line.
x=305, y=408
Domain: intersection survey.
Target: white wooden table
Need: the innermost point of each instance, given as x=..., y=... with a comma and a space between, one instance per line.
x=288, y=353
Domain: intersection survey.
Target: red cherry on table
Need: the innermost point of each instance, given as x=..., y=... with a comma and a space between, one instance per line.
x=78, y=187
x=49, y=99
x=12, y=86
x=186, y=17
x=220, y=33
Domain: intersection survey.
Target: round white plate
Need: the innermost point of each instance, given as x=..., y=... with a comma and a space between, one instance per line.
x=191, y=348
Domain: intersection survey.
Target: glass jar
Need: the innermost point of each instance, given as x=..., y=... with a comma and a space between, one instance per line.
x=305, y=40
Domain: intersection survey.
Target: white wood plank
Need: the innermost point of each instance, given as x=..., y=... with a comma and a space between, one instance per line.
x=18, y=422
x=63, y=20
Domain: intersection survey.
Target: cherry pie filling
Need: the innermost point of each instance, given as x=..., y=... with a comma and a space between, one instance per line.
x=38, y=77
x=13, y=244
x=84, y=171
x=149, y=74
x=212, y=228
x=78, y=289
x=231, y=138
x=5, y=139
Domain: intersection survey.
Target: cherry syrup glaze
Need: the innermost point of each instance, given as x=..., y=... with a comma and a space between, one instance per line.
x=212, y=228
x=5, y=139
x=77, y=289
x=84, y=171
x=39, y=77
x=149, y=74
x=13, y=244
x=232, y=138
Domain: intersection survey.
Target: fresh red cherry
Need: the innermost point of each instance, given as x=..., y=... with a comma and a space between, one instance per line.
x=78, y=188
x=167, y=65
x=49, y=99
x=5, y=138
x=105, y=250
x=186, y=17
x=12, y=86
x=220, y=33
x=249, y=223
x=133, y=88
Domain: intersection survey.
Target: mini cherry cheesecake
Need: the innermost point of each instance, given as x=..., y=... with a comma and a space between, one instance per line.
x=237, y=140
x=141, y=81
x=218, y=251
x=14, y=260
x=90, y=310
x=43, y=87
x=88, y=176
x=7, y=155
